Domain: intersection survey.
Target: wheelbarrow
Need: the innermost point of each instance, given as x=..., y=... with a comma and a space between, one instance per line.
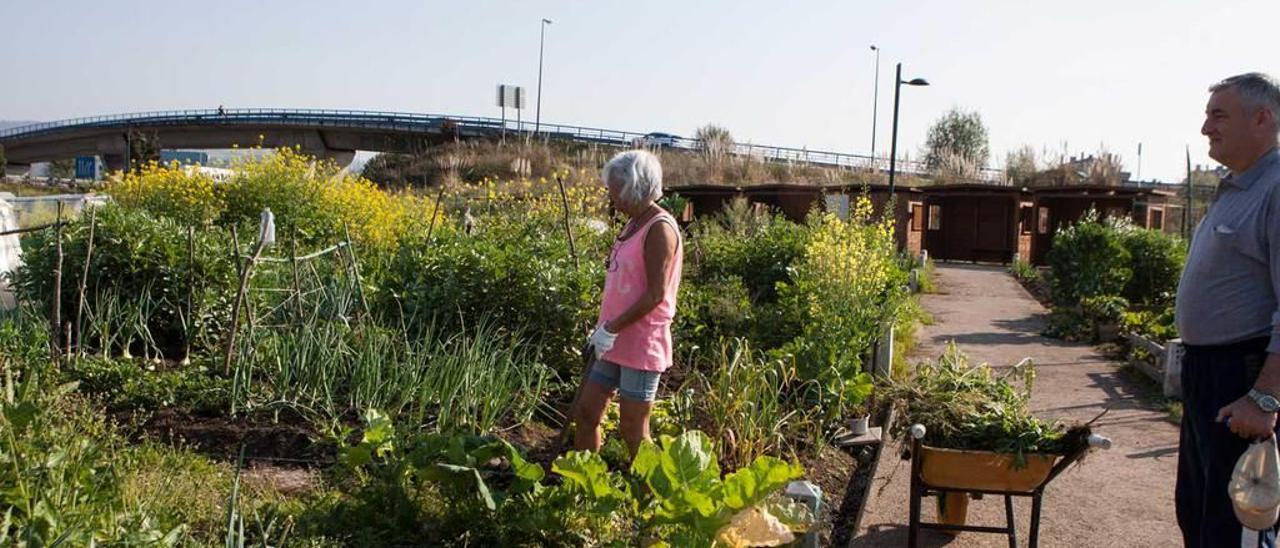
x=953, y=475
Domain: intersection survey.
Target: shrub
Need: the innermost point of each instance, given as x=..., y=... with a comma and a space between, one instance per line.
x=1156, y=260
x=311, y=199
x=1104, y=308
x=846, y=288
x=711, y=312
x=1024, y=272
x=139, y=279
x=187, y=196
x=761, y=254
x=518, y=277
x=1155, y=325
x=1088, y=259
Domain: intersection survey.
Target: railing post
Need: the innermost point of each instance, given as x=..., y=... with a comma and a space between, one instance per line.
x=1173, y=354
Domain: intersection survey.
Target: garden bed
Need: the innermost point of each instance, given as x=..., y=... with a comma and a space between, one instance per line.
x=415, y=355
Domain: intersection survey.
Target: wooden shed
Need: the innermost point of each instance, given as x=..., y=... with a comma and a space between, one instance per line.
x=974, y=222
x=1057, y=208
x=795, y=201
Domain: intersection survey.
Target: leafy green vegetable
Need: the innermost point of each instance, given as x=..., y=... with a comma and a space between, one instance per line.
x=687, y=491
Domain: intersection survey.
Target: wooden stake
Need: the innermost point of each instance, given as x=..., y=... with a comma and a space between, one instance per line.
x=355, y=267
x=435, y=211
x=564, y=202
x=84, y=280
x=191, y=290
x=235, y=251
x=56, y=316
x=297, y=283
x=235, y=307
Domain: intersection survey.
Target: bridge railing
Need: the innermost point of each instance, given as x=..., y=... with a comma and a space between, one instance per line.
x=402, y=121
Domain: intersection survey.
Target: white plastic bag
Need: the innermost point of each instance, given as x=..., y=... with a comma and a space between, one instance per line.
x=1255, y=486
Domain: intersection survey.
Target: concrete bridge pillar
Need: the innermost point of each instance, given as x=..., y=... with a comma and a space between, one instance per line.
x=341, y=157
x=114, y=162
x=114, y=150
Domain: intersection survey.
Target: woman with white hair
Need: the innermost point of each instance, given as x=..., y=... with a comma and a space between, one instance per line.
x=632, y=339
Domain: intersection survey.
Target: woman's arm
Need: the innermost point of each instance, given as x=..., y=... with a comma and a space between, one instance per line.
x=659, y=254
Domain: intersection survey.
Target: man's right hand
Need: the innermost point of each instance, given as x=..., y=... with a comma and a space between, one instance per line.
x=1246, y=420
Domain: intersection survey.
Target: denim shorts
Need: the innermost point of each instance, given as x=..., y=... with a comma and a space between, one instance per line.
x=632, y=384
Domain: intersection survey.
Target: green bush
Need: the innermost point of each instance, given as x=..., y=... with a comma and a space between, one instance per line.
x=761, y=256
x=1156, y=260
x=139, y=279
x=1088, y=259
x=711, y=312
x=735, y=265
x=1155, y=325
x=847, y=289
x=1104, y=308
x=519, y=277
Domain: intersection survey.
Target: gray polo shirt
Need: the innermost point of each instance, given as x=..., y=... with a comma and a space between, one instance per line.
x=1228, y=288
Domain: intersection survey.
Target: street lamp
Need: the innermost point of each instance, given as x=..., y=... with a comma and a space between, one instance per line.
x=875, y=102
x=893, y=146
x=542, y=35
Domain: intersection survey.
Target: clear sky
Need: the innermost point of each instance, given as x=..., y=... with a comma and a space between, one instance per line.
x=1081, y=74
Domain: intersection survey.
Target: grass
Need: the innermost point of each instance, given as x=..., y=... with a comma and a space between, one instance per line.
x=743, y=403
x=904, y=336
x=474, y=161
x=928, y=278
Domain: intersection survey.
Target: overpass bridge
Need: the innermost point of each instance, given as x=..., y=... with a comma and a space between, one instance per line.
x=337, y=134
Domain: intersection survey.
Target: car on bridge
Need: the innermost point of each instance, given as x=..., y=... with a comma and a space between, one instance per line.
x=656, y=140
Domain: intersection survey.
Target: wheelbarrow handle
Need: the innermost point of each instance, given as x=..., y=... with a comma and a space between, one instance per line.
x=1099, y=442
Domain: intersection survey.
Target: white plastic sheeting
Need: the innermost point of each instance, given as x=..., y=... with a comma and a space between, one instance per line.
x=10, y=250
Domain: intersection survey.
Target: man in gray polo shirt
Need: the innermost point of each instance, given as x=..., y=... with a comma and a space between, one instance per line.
x=1227, y=310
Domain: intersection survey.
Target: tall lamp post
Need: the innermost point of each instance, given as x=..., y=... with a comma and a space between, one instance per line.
x=875, y=103
x=542, y=36
x=893, y=147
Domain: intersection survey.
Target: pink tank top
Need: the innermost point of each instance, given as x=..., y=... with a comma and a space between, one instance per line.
x=646, y=343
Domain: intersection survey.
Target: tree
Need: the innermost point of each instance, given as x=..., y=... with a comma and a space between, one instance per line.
x=958, y=137
x=1020, y=165
x=143, y=147
x=716, y=141
x=3, y=161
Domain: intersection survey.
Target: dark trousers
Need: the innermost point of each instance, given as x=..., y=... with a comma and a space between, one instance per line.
x=1212, y=377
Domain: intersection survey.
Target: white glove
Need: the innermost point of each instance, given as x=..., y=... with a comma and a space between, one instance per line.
x=602, y=340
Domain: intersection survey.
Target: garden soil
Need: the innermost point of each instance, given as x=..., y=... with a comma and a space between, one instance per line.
x=1120, y=497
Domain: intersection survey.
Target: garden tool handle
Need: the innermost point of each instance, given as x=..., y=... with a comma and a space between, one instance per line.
x=1099, y=442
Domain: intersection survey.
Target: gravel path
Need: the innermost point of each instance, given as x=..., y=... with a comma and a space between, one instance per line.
x=1121, y=497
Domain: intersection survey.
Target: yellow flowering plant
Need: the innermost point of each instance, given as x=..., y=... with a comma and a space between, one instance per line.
x=184, y=194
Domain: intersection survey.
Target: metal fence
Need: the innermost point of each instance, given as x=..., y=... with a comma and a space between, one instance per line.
x=411, y=122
